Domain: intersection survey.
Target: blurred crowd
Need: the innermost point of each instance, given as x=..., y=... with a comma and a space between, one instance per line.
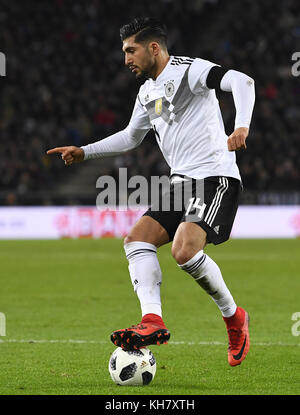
x=66, y=84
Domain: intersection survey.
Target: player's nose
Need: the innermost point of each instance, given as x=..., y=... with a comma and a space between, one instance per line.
x=128, y=60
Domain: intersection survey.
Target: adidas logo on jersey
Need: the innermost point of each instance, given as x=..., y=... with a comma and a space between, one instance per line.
x=216, y=229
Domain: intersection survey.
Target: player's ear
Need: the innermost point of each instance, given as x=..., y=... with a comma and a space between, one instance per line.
x=154, y=48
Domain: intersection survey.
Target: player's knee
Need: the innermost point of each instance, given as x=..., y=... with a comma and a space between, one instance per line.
x=183, y=254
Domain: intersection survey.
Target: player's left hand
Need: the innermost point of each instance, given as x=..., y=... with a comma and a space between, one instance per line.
x=237, y=140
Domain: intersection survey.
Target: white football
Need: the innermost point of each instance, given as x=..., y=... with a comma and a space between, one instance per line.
x=132, y=367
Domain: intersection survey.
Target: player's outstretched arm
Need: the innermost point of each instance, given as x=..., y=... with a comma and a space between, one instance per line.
x=70, y=154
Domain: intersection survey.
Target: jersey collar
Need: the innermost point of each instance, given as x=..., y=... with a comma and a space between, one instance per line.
x=163, y=71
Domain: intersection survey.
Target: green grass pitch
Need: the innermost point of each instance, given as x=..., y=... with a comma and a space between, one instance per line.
x=62, y=299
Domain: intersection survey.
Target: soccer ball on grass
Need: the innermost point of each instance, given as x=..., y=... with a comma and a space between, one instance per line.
x=132, y=367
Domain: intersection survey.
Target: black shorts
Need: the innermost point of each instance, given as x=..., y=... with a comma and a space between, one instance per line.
x=211, y=203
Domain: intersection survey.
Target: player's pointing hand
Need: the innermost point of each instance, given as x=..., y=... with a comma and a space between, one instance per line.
x=70, y=154
x=237, y=140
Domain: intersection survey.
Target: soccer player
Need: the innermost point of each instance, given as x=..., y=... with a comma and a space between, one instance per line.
x=178, y=101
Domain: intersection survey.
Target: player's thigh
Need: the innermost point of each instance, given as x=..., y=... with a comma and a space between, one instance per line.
x=148, y=230
x=189, y=239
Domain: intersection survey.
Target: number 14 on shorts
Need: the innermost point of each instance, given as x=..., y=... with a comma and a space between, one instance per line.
x=194, y=203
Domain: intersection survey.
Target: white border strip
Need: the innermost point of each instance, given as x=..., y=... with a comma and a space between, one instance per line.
x=87, y=221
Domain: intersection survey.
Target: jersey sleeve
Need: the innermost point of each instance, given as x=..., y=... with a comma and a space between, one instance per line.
x=198, y=74
x=139, y=119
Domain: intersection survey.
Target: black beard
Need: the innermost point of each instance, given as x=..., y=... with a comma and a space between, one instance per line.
x=143, y=76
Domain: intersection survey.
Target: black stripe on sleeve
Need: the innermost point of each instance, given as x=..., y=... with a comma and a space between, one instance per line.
x=215, y=76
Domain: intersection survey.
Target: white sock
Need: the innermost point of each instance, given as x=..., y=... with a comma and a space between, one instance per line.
x=145, y=274
x=208, y=275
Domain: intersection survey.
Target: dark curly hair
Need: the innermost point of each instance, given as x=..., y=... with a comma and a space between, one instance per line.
x=145, y=29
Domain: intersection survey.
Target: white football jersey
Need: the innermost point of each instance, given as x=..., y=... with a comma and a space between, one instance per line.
x=186, y=118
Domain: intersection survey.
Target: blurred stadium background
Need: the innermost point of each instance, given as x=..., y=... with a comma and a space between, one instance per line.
x=66, y=84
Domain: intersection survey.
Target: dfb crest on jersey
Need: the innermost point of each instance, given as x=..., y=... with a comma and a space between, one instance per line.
x=158, y=106
x=169, y=89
